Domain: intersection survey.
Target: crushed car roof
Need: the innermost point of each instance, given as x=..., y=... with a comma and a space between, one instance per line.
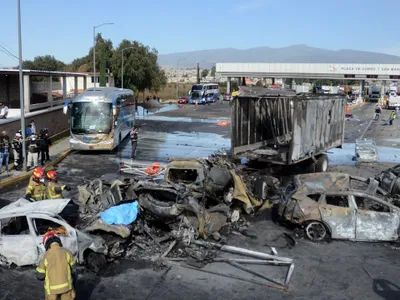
x=24, y=207
x=322, y=182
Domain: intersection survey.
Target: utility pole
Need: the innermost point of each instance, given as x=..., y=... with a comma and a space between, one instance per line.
x=198, y=73
x=94, y=50
x=21, y=88
x=177, y=78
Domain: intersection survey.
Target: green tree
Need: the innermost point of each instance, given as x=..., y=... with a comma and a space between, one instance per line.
x=141, y=70
x=213, y=71
x=46, y=62
x=204, y=73
x=102, y=70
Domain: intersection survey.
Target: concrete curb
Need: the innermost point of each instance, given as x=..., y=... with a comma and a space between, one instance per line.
x=13, y=180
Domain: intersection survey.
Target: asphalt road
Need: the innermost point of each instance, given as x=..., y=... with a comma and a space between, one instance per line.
x=335, y=270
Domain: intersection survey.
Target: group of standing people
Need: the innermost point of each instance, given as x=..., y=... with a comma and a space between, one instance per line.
x=37, y=146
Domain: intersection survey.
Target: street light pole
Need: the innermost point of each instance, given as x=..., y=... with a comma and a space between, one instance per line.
x=122, y=66
x=177, y=77
x=21, y=88
x=94, y=50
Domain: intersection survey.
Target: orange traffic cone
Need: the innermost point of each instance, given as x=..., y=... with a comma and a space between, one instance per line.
x=195, y=103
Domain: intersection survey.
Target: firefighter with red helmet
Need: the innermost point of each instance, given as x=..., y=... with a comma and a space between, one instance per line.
x=54, y=189
x=36, y=189
x=57, y=269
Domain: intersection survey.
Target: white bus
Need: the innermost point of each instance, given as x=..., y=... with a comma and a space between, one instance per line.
x=204, y=93
x=101, y=118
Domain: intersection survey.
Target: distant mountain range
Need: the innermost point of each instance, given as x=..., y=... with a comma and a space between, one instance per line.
x=291, y=54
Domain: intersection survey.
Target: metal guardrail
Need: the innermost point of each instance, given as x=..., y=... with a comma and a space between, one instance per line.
x=46, y=104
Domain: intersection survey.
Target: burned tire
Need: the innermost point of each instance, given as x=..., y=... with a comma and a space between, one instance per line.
x=322, y=163
x=95, y=261
x=316, y=231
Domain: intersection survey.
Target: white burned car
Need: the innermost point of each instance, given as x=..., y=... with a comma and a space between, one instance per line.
x=326, y=204
x=23, y=224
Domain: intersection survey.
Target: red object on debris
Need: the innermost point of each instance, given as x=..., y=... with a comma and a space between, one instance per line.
x=348, y=115
x=223, y=123
x=154, y=169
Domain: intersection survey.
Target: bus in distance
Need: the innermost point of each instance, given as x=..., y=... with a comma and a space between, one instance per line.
x=100, y=118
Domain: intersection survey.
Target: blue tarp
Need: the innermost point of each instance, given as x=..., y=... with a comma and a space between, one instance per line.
x=123, y=214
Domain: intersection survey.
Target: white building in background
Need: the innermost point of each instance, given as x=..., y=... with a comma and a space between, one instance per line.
x=70, y=81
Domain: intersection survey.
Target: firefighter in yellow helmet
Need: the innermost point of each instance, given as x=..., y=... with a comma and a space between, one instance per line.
x=57, y=269
x=36, y=189
x=54, y=189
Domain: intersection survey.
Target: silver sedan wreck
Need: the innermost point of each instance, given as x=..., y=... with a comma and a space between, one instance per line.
x=23, y=224
x=324, y=204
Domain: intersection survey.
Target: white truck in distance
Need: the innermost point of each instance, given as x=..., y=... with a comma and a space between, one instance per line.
x=394, y=98
x=374, y=93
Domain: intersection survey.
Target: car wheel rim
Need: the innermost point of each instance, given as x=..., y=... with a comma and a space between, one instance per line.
x=316, y=231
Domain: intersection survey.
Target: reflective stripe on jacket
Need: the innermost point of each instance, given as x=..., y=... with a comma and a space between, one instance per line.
x=36, y=189
x=54, y=190
x=57, y=264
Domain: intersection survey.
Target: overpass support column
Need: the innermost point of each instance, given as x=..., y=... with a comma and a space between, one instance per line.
x=243, y=81
x=228, y=85
x=50, y=91
x=84, y=83
x=383, y=89
x=76, y=85
x=64, y=85
x=273, y=81
x=362, y=87
x=27, y=93
x=291, y=85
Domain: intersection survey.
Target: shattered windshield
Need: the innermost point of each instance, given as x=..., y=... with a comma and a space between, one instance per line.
x=91, y=117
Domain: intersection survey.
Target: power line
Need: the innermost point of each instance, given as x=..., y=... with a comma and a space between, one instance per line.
x=4, y=50
x=9, y=48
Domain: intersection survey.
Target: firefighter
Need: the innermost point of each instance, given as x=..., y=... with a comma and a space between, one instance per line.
x=36, y=189
x=57, y=269
x=134, y=139
x=45, y=142
x=54, y=189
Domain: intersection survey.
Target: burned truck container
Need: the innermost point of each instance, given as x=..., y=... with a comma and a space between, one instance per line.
x=283, y=128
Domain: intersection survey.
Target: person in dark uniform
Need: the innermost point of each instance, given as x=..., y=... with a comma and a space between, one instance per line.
x=45, y=142
x=134, y=139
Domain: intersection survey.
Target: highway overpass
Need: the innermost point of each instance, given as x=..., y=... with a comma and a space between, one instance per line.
x=361, y=72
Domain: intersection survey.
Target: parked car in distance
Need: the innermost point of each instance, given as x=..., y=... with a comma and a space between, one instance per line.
x=325, y=204
x=227, y=96
x=183, y=100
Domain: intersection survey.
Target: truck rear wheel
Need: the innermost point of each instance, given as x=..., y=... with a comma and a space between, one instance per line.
x=322, y=163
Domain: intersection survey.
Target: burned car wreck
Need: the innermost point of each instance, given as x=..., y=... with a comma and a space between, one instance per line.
x=23, y=224
x=326, y=205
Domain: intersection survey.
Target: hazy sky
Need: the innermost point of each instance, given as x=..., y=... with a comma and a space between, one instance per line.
x=64, y=28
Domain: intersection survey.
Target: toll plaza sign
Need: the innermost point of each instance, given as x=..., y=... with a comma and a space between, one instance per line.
x=364, y=69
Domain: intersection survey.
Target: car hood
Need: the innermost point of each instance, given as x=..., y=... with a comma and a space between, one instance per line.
x=24, y=207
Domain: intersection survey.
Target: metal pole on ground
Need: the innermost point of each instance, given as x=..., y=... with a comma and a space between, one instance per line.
x=21, y=88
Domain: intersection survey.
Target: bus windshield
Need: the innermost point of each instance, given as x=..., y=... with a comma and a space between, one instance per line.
x=91, y=117
x=197, y=87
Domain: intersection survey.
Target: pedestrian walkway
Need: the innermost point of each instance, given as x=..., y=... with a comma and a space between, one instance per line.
x=58, y=151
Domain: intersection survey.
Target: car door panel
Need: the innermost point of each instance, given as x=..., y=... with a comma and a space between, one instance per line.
x=341, y=220
x=18, y=249
x=377, y=226
x=69, y=240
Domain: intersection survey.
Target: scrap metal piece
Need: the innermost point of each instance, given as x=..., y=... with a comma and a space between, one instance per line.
x=366, y=150
x=121, y=230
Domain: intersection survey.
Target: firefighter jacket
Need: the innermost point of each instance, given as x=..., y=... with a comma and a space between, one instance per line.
x=54, y=190
x=37, y=190
x=56, y=268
